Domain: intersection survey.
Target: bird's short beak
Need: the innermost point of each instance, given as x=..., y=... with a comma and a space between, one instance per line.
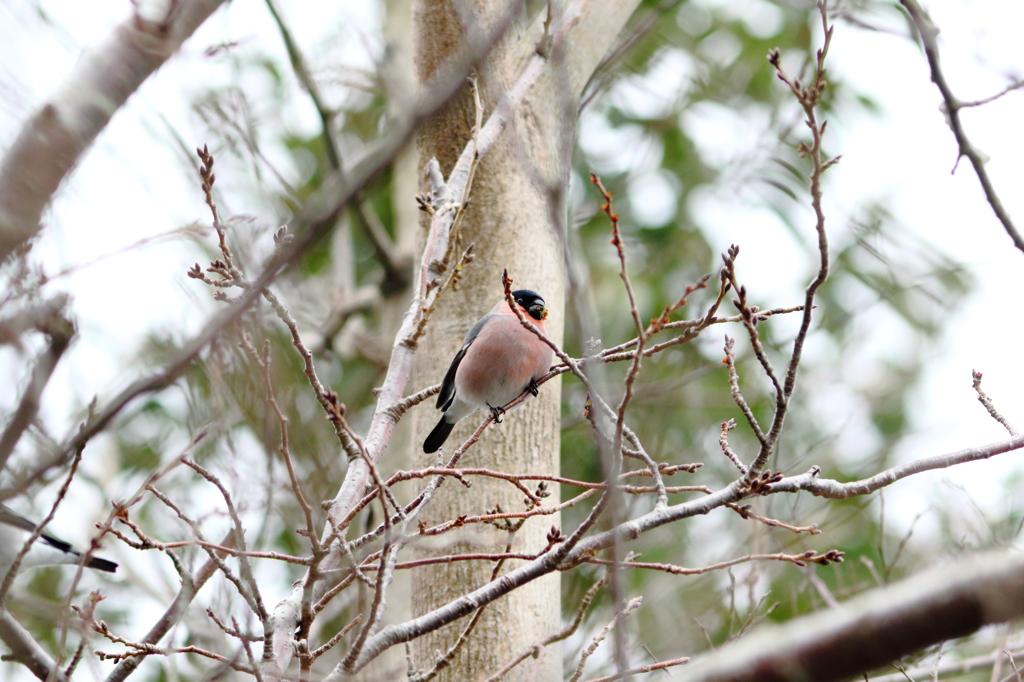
x=539, y=310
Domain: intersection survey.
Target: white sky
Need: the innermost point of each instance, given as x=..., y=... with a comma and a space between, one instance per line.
x=131, y=186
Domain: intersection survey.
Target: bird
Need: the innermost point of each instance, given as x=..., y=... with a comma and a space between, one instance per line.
x=499, y=359
x=46, y=550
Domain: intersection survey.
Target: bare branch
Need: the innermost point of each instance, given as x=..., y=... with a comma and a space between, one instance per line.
x=565, y=632
x=27, y=651
x=927, y=31
x=641, y=669
x=832, y=556
x=61, y=331
x=841, y=491
x=189, y=587
x=948, y=667
x=987, y=402
x=628, y=608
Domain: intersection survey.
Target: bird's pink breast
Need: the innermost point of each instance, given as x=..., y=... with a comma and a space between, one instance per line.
x=500, y=363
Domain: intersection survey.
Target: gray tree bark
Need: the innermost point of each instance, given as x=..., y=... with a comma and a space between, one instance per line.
x=518, y=190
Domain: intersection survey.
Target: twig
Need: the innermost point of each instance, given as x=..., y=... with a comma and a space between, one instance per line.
x=745, y=512
x=987, y=402
x=693, y=327
x=829, y=557
x=628, y=608
x=394, y=271
x=8, y=580
x=320, y=651
x=840, y=491
x=243, y=559
x=1016, y=85
x=949, y=667
x=564, y=633
x=60, y=331
x=640, y=669
x=445, y=660
x=737, y=394
x=809, y=97
x=927, y=31
x=723, y=438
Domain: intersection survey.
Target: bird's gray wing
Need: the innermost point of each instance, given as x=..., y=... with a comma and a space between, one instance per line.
x=447, y=394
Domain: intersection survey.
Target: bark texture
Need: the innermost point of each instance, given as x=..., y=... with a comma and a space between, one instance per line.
x=508, y=221
x=518, y=188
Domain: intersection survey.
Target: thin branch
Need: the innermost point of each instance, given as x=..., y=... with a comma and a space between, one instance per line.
x=60, y=330
x=948, y=667
x=445, y=660
x=190, y=586
x=693, y=327
x=27, y=651
x=564, y=633
x=8, y=579
x=723, y=438
x=641, y=669
x=628, y=608
x=809, y=97
x=1016, y=85
x=395, y=273
x=987, y=402
x=737, y=395
x=840, y=491
x=928, y=32
x=829, y=557
x=254, y=597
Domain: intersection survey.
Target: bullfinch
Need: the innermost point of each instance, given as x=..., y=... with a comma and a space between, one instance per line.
x=46, y=551
x=499, y=359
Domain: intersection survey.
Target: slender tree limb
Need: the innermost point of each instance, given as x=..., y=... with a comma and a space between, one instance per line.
x=641, y=669
x=27, y=651
x=61, y=330
x=840, y=491
x=395, y=271
x=564, y=633
x=190, y=585
x=948, y=666
x=928, y=33
x=989, y=405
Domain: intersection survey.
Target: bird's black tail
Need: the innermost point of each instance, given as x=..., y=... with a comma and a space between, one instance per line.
x=102, y=564
x=438, y=436
x=94, y=562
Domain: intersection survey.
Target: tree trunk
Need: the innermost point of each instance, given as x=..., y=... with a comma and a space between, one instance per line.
x=508, y=221
x=519, y=189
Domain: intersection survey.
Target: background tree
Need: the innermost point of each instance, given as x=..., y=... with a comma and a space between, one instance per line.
x=344, y=291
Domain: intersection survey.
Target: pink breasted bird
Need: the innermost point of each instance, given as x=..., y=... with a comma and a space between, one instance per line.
x=499, y=359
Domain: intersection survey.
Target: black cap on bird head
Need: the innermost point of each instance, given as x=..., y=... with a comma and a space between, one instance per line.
x=532, y=303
